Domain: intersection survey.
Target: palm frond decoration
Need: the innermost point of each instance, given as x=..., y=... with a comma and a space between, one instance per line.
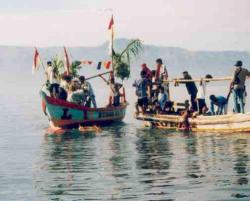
x=75, y=68
x=121, y=61
x=58, y=66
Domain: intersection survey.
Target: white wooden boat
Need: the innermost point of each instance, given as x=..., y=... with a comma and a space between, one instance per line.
x=215, y=123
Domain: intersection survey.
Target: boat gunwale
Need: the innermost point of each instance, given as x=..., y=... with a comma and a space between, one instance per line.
x=62, y=103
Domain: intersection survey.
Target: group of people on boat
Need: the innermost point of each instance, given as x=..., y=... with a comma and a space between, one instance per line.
x=152, y=91
x=76, y=89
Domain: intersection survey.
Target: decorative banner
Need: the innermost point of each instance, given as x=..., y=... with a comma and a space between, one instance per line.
x=86, y=62
x=107, y=64
x=100, y=64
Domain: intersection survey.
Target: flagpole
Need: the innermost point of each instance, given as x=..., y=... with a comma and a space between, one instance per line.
x=112, y=46
x=111, y=28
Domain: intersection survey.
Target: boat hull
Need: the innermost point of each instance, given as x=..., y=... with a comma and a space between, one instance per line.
x=216, y=123
x=69, y=115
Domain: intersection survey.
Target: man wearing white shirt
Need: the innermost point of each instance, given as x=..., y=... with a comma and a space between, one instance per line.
x=201, y=94
x=50, y=73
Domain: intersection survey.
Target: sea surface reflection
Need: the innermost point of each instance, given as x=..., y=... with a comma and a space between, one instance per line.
x=135, y=163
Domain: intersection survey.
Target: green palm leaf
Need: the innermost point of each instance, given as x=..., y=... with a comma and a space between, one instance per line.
x=122, y=60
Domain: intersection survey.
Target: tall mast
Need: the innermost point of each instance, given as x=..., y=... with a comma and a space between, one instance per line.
x=111, y=28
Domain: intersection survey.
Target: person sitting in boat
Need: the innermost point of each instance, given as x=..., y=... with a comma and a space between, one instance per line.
x=191, y=88
x=220, y=102
x=87, y=86
x=162, y=99
x=57, y=92
x=142, y=86
x=76, y=95
x=238, y=86
x=66, y=81
x=201, y=94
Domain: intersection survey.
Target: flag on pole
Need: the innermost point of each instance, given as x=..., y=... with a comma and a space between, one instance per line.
x=107, y=64
x=111, y=29
x=111, y=23
x=99, y=65
x=66, y=61
x=36, y=61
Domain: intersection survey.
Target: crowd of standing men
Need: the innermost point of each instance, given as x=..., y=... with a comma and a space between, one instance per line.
x=152, y=90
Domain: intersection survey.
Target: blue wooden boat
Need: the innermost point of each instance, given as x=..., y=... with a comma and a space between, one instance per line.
x=70, y=115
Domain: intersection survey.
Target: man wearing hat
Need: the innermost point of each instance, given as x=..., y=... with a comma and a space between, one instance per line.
x=238, y=86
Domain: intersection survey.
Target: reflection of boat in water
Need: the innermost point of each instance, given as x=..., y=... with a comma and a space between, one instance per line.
x=215, y=123
x=68, y=115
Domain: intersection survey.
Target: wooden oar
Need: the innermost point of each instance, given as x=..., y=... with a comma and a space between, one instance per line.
x=98, y=75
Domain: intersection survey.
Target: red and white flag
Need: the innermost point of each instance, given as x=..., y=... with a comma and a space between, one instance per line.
x=36, y=61
x=111, y=23
x=67, y=62
x=111, y=29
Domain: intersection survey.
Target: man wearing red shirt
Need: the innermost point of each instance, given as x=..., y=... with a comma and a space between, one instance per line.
x=147, y=70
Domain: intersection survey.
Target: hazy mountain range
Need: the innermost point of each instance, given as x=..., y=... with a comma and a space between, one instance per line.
x=18, y=60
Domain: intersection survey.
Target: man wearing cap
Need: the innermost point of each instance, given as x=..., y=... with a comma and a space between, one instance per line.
x=239, y=87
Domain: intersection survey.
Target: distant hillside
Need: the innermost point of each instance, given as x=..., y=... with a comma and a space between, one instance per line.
x=18, y=60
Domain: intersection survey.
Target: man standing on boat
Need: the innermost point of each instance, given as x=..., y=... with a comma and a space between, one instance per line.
x=201, y=94
x=87, y=86
x=50, y=72
x=191, y=88
x=239, y=87
x=161, y=70
x=147, y=70
x=142, y=86
x=162, y=75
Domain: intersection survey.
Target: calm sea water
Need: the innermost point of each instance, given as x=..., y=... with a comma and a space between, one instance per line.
x=125, y=162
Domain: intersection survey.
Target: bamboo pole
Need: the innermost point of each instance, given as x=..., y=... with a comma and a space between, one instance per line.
x=178, y=80
x=98, y=75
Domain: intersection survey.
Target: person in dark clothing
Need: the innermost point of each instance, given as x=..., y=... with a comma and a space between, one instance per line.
x=57, y=92
x=192, y=90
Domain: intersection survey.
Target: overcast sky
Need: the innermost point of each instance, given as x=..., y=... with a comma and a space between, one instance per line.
x=192, y=24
